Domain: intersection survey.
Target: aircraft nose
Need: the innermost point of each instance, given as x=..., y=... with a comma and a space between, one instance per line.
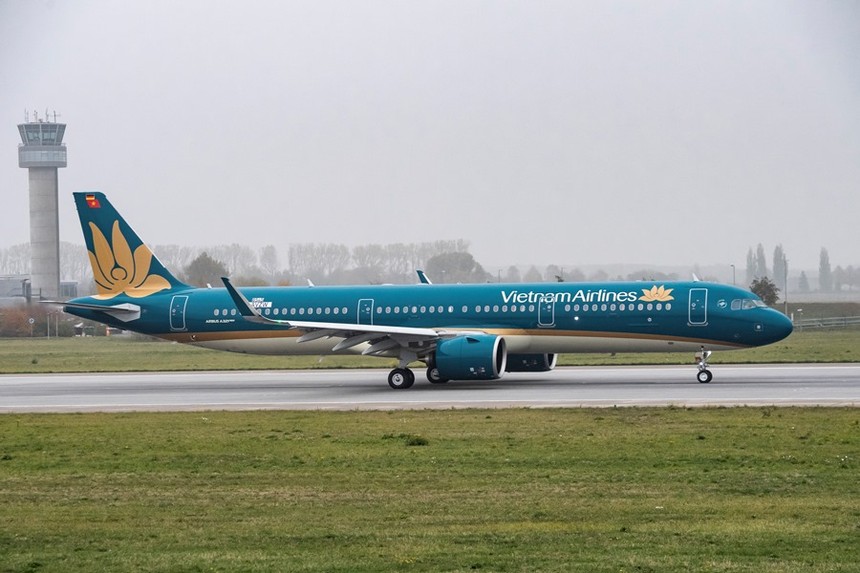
x=779, y=326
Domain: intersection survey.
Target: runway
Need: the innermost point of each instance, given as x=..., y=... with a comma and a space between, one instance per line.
x=759, y=385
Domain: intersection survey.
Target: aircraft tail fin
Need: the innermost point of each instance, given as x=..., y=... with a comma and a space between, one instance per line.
x=120, y=260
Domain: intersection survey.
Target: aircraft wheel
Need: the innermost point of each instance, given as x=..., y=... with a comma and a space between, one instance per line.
x=401, y=378
x=434, y=377
x=704, y=376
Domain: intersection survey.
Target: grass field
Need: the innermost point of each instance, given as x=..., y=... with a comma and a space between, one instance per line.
x=626, y=490
x=112, y=354
x=617, y=490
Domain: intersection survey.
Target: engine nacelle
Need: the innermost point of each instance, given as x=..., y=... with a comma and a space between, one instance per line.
x=531, y=362
x=472, y=357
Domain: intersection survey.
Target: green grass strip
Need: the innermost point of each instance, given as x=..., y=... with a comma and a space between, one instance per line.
x=610, y=490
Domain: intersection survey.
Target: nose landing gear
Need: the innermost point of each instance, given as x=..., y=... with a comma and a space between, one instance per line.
x=704, y=376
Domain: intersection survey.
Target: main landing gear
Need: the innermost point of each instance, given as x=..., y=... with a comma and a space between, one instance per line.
x=401, y=378
x=704, y=376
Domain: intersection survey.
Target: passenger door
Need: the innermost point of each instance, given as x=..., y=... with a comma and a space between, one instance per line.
x=698, y=308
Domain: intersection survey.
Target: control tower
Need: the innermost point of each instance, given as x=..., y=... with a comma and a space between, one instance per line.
x=42, y=151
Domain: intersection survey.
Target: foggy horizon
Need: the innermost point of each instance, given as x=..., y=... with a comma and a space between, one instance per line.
x=573, y=134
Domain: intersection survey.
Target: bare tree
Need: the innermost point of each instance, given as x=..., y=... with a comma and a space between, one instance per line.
x=74, y=262
x=15, y=260
x=269, y=261
x=369, y=256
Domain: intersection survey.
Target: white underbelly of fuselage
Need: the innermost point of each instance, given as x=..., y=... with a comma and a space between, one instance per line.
x=516, y=344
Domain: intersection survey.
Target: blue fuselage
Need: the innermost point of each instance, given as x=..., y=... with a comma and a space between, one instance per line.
x=541, y=317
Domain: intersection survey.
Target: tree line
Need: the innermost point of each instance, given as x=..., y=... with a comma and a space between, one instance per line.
x=74, y=262
x=445, y=261
x=828, y=279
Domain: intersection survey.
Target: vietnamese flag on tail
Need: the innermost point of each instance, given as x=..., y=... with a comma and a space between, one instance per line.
x=92, y=202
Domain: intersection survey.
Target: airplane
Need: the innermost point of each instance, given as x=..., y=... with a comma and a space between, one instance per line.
x=459, y=332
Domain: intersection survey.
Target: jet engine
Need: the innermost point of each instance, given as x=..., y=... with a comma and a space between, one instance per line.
x=471, y=357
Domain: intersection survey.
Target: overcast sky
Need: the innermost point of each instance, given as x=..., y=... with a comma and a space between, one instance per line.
x=571, y=133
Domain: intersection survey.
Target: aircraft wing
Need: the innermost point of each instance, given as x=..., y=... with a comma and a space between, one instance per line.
x=381, y=338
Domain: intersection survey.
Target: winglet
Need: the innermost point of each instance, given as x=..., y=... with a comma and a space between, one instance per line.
x=245, y=308
x=423, y=277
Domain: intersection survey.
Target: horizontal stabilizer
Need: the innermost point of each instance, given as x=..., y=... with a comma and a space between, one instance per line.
x=125, y=312
x=120, y=308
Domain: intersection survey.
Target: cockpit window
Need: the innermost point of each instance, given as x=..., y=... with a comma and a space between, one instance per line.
x=747, y=303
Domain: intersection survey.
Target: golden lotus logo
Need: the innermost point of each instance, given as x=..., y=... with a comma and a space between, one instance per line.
x=118, y=271
x=656, y=294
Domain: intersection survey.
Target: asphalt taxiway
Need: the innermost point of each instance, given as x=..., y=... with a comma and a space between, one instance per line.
x=754, y=385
